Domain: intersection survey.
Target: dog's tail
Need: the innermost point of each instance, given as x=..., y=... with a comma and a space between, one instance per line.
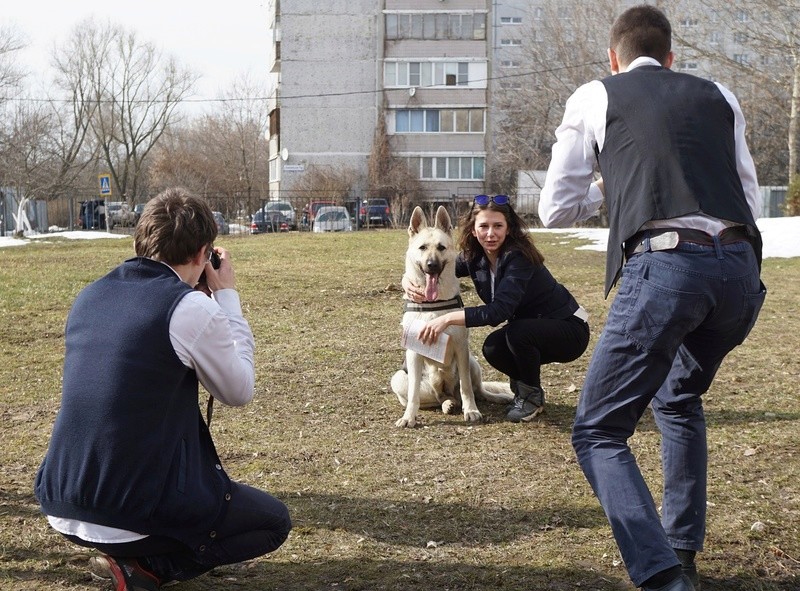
x=497, y=392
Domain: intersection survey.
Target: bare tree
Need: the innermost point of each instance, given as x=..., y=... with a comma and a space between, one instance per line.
x=10, y=74
x=390, y=177
x=131, y=91
x=753, y=47
x=243, y=148
x=221, y=156
x=564, y=46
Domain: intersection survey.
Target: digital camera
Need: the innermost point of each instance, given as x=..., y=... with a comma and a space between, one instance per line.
x=215, y=262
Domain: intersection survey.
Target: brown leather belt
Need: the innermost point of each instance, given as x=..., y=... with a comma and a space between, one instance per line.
x=669, y=238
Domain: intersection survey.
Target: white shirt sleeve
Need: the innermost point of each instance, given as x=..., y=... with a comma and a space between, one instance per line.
x=568, y=194
x=212, y=337
x=744, y=160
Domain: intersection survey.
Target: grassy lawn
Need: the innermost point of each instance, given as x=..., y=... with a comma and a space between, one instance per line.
x=443, y=506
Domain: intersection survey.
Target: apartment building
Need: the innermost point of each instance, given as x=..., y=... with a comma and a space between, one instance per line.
x=431, y=71
x=326, y=66
x=340, y=66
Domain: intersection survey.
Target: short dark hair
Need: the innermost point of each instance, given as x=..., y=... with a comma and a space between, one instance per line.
x=641, y=31
x=174, y=225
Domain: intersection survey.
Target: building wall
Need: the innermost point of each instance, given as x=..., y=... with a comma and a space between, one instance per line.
x=327, y=86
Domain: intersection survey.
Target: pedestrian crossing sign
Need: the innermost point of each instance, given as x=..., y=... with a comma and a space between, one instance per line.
x=105, y=184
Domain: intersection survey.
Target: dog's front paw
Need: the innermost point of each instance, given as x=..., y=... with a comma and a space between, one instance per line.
x=473, y=416
x=406, y=421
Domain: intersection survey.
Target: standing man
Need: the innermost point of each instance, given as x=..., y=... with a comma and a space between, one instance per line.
x=131, y=469
x=682, y=198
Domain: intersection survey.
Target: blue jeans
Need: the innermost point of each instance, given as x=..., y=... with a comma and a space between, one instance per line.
x=677, y=314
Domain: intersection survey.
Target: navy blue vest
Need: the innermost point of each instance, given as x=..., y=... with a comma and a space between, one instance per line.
x=129, y=447
x=669, y=151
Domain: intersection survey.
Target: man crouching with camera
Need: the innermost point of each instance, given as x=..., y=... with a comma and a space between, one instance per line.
x=131, y=468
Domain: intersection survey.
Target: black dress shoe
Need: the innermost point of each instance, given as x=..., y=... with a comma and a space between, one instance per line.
x=688, y=567
x=682, y=583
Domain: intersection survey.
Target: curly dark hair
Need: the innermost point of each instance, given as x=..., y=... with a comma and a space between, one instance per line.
x=517, y=237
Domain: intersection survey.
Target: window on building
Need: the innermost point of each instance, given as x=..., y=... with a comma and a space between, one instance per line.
x=538, y=13
x=510, y=20
x=435, y=26
x=390, y=23
x=273, y=170
x=439, y=121
x=511, y=42
x=742, y=16
x=715, y=38
x=449, y=167
x=688, y=66
x=740, y=58
x=425, y=74
x=739, y=37
x=509, y=64
x=688, y=22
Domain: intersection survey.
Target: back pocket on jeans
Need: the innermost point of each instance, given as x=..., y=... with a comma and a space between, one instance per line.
x=659, y=317
x=751, y=306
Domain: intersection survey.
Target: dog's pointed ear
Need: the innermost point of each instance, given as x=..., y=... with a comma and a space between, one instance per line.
x=418, y=221
x=443, y=220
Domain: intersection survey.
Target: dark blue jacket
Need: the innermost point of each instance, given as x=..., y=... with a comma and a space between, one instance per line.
x=129, y=447
x=522, y=290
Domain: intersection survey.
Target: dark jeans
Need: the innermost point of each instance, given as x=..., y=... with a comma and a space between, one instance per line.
x=256, y=523
x=523, y=345
x=677, y=314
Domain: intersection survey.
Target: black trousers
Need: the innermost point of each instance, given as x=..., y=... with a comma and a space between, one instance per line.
x=256, y=523
x=523, y=345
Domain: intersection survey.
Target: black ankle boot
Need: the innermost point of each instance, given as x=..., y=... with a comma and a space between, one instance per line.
x=688, y=566
x=528, y=403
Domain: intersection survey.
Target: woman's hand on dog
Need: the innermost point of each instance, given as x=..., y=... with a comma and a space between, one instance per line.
x=415, y=293
x=431, y=331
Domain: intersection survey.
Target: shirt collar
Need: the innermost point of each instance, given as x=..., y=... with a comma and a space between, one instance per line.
x=643, y=61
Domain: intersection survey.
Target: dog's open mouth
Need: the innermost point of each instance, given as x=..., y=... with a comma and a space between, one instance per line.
x=431, y=287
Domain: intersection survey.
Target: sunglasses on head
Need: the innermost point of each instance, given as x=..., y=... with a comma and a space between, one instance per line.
x=486, y=199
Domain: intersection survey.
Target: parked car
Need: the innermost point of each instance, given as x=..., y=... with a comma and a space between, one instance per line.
x=332, y=218
x=268, y=221
x=311, y=209
x=285, y=208
x=119, y=214
x=137, y=212
x=222, y=226
x=374, y=212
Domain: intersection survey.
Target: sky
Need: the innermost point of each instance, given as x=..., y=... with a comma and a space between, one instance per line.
x=781, y=237
x=219, y=41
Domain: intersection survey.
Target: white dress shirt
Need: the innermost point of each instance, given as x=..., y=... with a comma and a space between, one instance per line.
x=569, y=195
x=210, y=336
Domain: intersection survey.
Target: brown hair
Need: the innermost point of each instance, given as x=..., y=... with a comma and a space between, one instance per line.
x=174, y=226
x=641, y=31
x=517, y=237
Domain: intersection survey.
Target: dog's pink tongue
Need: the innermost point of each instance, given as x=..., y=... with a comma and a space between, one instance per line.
x=431, y=287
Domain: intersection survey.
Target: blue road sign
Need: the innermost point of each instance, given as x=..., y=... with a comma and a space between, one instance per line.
x=105, y=184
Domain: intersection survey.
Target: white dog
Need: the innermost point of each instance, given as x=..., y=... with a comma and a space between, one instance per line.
x=430, y=261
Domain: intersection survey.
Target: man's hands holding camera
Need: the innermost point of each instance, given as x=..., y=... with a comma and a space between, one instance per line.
x=218, y=273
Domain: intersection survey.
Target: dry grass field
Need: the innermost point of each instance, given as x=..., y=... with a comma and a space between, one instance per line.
x=444, y=506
